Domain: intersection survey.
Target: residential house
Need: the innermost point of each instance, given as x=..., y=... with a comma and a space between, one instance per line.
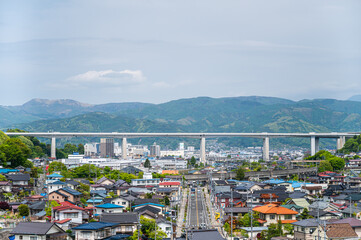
x=55, y=186
x=127, y=222
x=72, y=184
x=5, y=186
x=166, y=226
x=294, y=207
x=302, y=202
x=108, y=208
x=19, y=180
x=272, y=213
x=69, y=213
x=340, y=231
x=53, y=178
x=307, y=229
x=123, y=200
x=65, y=194
x=354, y=223
x=131, y=170
x=105, y=181
x=95, y=231
x=312, y=190
x=37, y=207
x=145, y=182
x=224, y=199
x=324, y=215
x=38, y=231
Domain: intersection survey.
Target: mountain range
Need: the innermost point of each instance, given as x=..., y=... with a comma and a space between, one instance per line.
x=201, y=114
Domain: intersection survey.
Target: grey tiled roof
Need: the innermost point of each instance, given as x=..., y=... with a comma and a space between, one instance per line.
x=38, y=228
x=125, y=218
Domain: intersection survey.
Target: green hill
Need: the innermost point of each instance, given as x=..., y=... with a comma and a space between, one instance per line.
x=203, y=114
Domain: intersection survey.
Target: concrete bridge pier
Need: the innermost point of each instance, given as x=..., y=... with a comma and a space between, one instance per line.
x=203, y=150
x=124, y=148
x=315, y=145
x=341, y=142
x=265, y=149
x=53, y=148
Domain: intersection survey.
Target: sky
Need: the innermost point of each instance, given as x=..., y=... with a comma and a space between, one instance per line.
x=159, y=50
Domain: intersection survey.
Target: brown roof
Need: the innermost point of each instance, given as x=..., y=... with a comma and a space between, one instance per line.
x=312, y=187
x=336, y=230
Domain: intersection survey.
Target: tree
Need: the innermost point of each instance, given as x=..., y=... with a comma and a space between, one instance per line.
x=193, y=161
x=148, y=230
x=289, y=228
x=325, y=166
x=166, y=200
x=147, y=163
x=50, y=207
x=57, y=166
x=23, y=210
x=2, y=178
x=15, y=152
x=305, y=214
x=245, y=221
x=4, y=206
x=239, y=173
x=80, y=148
x=337, y=163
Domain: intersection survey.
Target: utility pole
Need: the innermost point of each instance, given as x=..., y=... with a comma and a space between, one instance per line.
x=350, y=207
x=231, y=214
x=138, y=226
x=251, y=217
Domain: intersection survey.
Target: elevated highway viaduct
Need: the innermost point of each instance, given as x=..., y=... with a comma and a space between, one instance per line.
x=314, y=138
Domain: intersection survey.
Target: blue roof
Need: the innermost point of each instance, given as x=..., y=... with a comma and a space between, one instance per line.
x=55, y=175
x=274, y=181
x=95, y=225
x=6, y=170
x=117, y=237
x=95, y=201
x=144, y=204
x=57, y=183
x=109, y=205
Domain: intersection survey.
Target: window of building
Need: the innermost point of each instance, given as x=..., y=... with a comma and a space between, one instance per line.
x=33, y=238
x=71, y=215
x=272, y=216
x=288, y=217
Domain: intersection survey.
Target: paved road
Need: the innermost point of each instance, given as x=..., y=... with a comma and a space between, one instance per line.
x=197, y=216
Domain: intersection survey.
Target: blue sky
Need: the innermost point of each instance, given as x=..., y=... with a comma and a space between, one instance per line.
x=156, y=51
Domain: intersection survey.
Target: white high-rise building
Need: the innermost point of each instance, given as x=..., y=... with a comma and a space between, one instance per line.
x=155, y=150
x=181, y=146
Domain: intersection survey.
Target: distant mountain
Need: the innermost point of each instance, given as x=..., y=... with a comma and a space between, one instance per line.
x=202, y=114
x=99, y=122
x=38, y=109
x=356, y=98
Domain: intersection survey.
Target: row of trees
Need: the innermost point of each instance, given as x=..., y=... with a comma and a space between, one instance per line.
x=90, y=171
x=329, y=163
x=14, y=151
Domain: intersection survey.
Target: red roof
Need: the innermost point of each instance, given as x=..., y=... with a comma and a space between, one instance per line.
x=66, y=206
x=63, y=221
x=169, y=183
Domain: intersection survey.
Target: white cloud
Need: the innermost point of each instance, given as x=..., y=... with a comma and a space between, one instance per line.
x=107, y=78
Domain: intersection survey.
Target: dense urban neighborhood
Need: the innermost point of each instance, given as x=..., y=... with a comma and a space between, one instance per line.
x=92, y=192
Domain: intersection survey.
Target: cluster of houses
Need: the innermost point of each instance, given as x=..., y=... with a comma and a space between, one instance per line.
x=327, y=205
x=111, y=211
